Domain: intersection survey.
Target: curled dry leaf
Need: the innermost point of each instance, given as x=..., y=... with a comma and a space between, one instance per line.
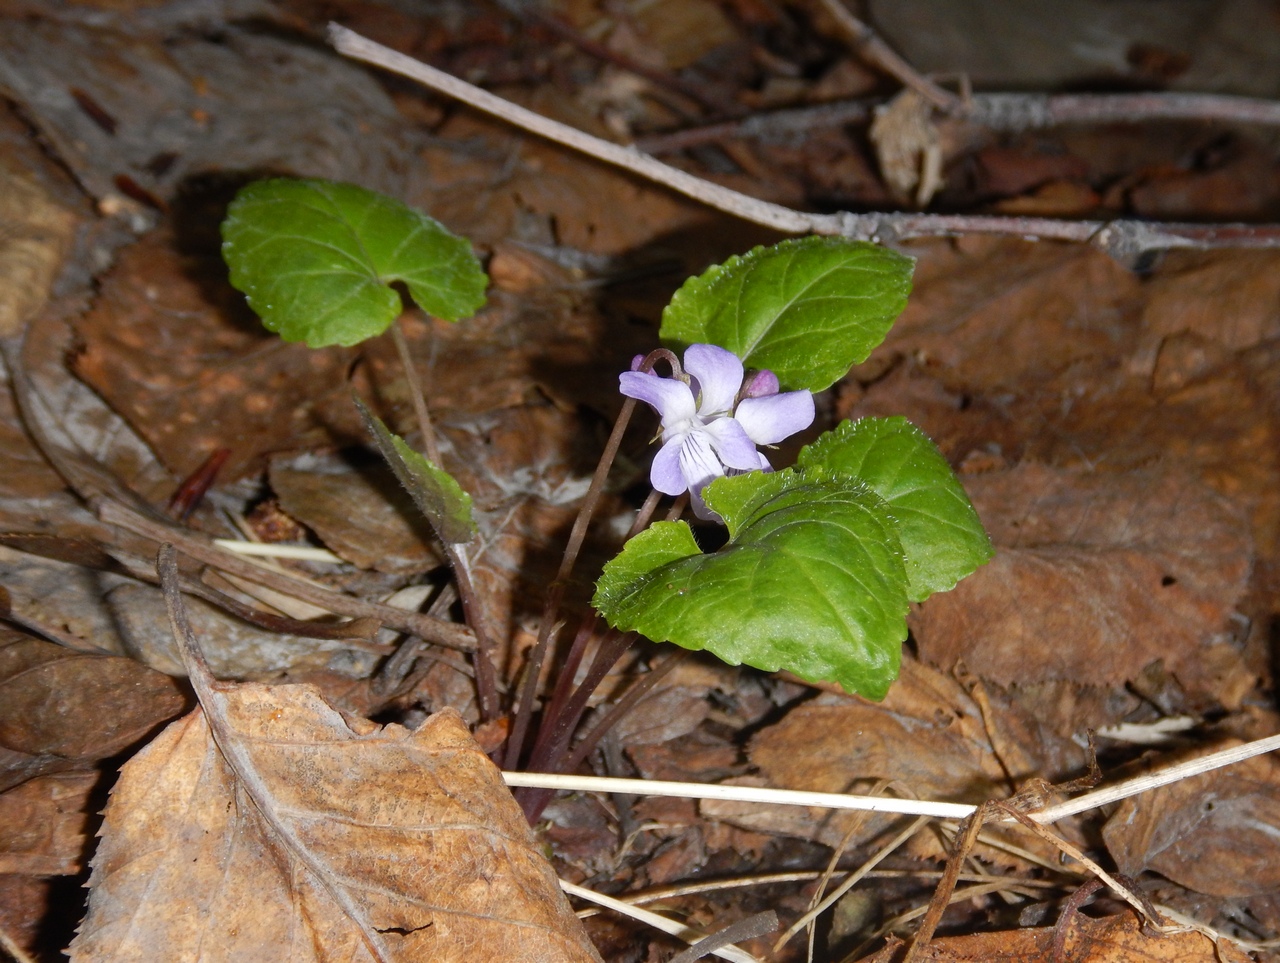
x=1214, y=833
x=268, y=826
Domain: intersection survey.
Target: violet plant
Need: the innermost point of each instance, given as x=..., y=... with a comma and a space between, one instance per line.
x=823, y=558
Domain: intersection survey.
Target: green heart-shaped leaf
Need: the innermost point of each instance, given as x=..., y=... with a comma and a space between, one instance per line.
x=941, y=534
x=438, y=496
x=811, y=581
x=316, y=260
x=806, y=309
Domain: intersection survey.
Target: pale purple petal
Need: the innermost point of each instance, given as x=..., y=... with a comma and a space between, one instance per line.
x=672, y=399
x=760, y=384
x=665, y=475
x=770, y=419
x=698, y=461
x=719, y=374
x=732, y=445
x=700, y=508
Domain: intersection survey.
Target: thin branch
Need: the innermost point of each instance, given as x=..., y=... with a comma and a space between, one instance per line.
x=961, y=847
x=1125, y=240
x=448, y=634
x=1002, y=112
x=1012, y=112
x=759, y=794
x=665, y=924
x=908, y=807
x=352, y=44
x=745, y=929
x=868, y=45
x=1162, y=777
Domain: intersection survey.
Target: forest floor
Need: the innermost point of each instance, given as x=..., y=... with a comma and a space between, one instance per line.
x=1115, y=421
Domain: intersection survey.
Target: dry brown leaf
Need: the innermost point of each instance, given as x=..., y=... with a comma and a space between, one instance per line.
x=908, y=147
x=236, y=649
x=42, y=824
x=164, y=103
x=104, y=612
x=73, y=705
x=1095, y=576
x=831, y=744
x=360, y=512
x=1214, y=833
x=293, y=833
x=1112, y=939
x=1228, y=296
x=991, y=314
x=36, y=233
x=191, y=375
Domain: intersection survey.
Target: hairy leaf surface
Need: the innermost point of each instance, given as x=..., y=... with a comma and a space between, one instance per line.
x=811, y=581
x=807, y=309
x=438, y=496
x=941, y=534
x=316, y=260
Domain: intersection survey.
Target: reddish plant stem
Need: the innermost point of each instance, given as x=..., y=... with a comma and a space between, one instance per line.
x=612, y=646
x=473, y=612
x=646, y=512
x=569, y=670
x=529, y=690
x=620, y=708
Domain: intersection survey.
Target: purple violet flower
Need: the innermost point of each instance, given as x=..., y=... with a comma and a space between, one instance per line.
x=704, y=435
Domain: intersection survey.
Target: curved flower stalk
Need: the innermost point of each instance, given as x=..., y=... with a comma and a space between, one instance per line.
x=712, y=422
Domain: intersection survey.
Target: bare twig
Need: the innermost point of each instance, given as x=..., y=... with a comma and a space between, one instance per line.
x=746, y=929
x=961, y=848
x=1018, y=112
x=868, y=45
x=448, y=634
x=1125, y=240
x=909, y=807
x=657, y=921
x=1002, y=112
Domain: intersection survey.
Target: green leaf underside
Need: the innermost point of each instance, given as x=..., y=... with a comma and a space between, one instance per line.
x=806, y=309
x=315, y=258
x=941, y=534
x=812, y=581
x=440, y=498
